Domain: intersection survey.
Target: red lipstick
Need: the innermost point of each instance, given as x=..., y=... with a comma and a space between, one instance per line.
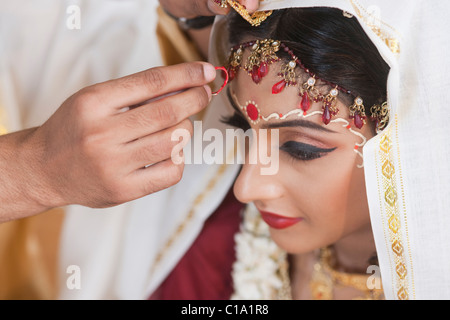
x=279, y=222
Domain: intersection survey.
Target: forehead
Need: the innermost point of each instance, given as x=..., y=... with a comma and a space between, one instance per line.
x=246, y=91
x=245, y=87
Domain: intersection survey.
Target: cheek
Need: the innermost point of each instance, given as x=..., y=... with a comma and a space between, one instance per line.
x=326, y=196
x=330, y=194
x=345, y=206
x=322, y=187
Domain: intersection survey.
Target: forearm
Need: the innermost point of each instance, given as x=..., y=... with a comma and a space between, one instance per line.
x=22, y=189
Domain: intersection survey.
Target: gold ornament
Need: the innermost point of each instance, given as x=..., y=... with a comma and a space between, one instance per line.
x=255, y=19
x=358, y=113
x=380, y=115
x=325, y=279
x=262, y=55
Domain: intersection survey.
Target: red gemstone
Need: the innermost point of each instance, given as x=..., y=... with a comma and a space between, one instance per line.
x=359, y=123
x=252, y=112
x=326, y=118
x=263, y=70
x=231, y=74
x=255, y=75
x=306, y=102
x=278, y=87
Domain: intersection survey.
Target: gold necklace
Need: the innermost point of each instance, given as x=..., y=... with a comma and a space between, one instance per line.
x=325, y=279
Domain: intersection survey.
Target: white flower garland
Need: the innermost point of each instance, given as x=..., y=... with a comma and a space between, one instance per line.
x=258, y=273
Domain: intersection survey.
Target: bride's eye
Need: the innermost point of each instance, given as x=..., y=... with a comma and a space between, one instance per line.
x=237, y=121
x=304, y=152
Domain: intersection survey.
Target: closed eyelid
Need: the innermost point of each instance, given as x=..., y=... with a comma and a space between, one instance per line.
x=308, y=147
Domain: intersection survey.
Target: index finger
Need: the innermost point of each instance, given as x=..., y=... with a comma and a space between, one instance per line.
x=152, y=83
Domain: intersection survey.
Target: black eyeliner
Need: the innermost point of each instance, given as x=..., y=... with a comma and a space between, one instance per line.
x=305, y=147
x=302, y=151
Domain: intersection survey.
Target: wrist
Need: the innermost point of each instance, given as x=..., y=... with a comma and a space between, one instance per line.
x=40, y=188
x=19, y=187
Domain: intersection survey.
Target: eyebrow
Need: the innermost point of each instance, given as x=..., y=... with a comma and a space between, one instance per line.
x=283, y=124
x=297, y=123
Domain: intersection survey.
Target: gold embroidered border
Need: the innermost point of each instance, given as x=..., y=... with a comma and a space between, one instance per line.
x=391, y=212
x=402, y=190
x=383, y=220
x=389, y=39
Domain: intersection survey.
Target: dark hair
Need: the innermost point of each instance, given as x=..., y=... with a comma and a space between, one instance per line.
x=334, y=47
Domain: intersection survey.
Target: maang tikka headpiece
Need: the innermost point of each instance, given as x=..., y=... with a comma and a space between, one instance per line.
x=264, y=53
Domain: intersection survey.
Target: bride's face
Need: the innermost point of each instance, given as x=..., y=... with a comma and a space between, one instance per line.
x=318, y=187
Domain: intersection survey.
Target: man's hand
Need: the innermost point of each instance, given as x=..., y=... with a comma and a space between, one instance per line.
x=96, y=149
x=195, y=8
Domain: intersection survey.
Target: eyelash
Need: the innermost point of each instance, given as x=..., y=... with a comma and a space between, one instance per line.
x=296, y=150
x=304, y=152
x=237, y=121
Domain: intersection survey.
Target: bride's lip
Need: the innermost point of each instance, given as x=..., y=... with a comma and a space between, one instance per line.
x=279, y=222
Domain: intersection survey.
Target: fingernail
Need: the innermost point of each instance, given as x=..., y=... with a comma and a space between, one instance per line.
x=210, y=72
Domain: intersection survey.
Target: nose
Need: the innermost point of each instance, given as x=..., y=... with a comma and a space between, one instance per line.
x=252, y=186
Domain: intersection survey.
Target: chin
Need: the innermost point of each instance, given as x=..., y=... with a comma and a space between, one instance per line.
x=293, y=244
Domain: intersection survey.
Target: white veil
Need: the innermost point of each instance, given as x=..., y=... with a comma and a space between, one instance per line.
x=407, y=175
